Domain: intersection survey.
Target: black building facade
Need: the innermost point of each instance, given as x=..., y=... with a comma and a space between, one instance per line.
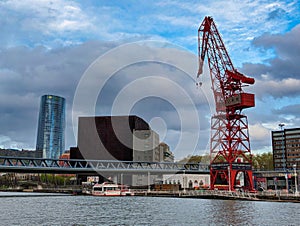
x=107, y=137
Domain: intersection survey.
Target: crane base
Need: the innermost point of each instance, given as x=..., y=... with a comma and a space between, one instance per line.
x=225, y=176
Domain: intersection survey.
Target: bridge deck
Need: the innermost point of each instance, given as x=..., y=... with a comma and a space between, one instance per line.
x=74, y=166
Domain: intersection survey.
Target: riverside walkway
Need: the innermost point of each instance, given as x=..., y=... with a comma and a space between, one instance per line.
x=233, y=195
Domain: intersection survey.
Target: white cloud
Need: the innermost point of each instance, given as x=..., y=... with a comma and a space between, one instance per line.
x=7, y=143
x=49, y=15
x=240, y=21
x=186, y=21
x=47, y=22
x=23, y=80
x=288, y=87
x=259, y=133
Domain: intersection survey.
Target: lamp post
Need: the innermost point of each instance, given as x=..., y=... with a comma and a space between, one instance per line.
x=183, y=181
x=149, y=188
x=295, y=174
x=229, y=178
x=281, y=125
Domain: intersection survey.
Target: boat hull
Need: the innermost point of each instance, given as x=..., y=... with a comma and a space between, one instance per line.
x=111, y=189
x=107, y=194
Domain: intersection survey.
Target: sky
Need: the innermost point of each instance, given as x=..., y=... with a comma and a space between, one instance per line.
x=140, y=57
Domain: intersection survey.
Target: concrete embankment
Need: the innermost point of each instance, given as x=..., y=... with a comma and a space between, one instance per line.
x=199, y=194
x=28, y=194
x=40, y=192
x=206, y=194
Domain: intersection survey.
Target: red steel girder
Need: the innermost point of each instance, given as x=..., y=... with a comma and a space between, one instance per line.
x=230, y=143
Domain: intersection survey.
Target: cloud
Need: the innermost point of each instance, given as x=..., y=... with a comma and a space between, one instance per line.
x=259, y=134
x=277, y=14
x=238, y=22
x=151, y=80
x=34, y=21
x=61, y=22
x=287, y=49
x=288, y=110
x=279, y=77
x=6, y=142
x=260, y=146
x=288, y=87
x=277, y=84
x=45, y=47
x=28, y=73
x=289, y=115
x=58, y=71
x=178, y=21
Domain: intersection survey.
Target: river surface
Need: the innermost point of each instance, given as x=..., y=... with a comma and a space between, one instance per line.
x=89, y=210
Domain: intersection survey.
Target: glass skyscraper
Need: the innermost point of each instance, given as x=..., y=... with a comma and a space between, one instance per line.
x=51, y=127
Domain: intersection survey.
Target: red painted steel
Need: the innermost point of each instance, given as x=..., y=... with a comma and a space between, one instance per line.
x=229, y=144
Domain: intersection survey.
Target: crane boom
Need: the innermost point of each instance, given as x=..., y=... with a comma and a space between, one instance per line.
x=229, y=145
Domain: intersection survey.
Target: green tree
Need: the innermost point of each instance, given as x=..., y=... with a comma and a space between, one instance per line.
x=263, y=161
x=195, y=159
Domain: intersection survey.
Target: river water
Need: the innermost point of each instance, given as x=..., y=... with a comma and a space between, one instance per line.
x=89, y=210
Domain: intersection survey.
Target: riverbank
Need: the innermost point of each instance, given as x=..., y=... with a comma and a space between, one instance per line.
x=9, y=194
x=196, y=194
x=224, y=195
x=60, y=191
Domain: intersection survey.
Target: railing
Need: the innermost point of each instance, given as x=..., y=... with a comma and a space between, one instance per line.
x=220, y=194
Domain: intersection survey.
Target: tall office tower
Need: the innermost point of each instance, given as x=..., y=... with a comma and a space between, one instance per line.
x=51, y=127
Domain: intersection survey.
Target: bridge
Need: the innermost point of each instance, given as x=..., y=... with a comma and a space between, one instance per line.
x=77, y=166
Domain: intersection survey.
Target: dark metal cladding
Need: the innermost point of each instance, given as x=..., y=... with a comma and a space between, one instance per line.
x=107, y=137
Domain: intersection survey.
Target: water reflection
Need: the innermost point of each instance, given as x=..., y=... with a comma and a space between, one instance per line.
x=232, y=212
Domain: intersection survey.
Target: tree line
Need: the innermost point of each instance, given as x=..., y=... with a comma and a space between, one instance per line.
x=262, y=161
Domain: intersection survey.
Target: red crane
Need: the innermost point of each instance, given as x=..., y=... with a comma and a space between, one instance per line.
x=230, y=154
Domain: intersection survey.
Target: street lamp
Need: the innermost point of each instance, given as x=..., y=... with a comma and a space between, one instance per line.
x=295, y=174
x=183, y=181
x=281, y=125
x=229, y=179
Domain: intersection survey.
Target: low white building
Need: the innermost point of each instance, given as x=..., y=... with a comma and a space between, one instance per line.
x=188, y=181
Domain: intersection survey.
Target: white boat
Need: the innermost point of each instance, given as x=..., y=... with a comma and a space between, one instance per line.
x=111, y=189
